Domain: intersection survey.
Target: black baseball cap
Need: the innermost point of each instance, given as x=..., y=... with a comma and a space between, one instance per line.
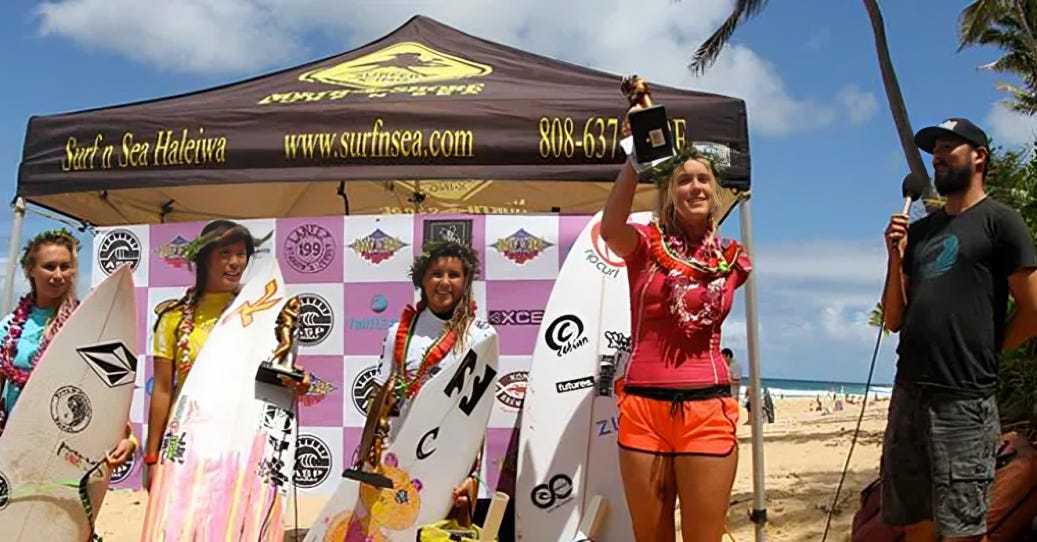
x=925, y=139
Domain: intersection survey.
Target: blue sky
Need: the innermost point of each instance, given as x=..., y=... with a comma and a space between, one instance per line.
x=826, y=161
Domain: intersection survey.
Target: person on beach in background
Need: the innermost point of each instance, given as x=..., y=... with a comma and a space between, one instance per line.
x=948, y=280
x=734, y=371
x=677, y=417
x=219, y=255
x=50, y=262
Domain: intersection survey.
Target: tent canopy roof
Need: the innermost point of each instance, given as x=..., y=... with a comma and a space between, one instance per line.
x=425, y=119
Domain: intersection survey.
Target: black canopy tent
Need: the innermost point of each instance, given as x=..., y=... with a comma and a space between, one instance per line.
x=425, y=119
x=426, y=111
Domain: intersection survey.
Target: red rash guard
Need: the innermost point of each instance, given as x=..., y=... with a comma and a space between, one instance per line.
x=664, y=355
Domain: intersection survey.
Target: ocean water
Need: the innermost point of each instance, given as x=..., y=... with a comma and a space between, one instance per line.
x=811, y=388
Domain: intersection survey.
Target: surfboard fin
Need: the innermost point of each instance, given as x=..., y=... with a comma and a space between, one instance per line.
x=590, y=522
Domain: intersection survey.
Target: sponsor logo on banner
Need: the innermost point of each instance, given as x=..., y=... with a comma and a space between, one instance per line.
x=316, y=318
x=458, y=231
x=112, y=362
x=319, y=390
x=378, y=305
x=515, y=317
x=600, y=256
x=575, y=385
x=172, y=253
x=312, y=462
x=554, y=493
x=511, y=390
x=364, y=386
x=118, y=247
x=521, y=246
x=565, y=334
x=122, y=472
x=406, y=68
x=377, y=246
x=309, y=248
x=70, y=409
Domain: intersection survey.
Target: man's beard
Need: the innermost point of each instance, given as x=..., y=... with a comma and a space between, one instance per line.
x=953, y=180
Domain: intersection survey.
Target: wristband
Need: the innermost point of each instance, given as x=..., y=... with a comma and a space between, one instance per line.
x=136, y=443
x=150, y=459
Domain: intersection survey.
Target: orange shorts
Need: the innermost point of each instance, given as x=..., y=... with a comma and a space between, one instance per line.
x=701, y=427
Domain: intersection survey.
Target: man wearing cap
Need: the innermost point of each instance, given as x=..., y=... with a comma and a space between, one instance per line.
x=949, y=277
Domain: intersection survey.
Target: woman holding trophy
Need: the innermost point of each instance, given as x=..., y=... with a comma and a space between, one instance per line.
x=432, y=337
x=219, y=255
x=677, y=419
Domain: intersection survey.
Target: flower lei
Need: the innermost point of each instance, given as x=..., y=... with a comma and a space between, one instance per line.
x=408, y=387
x=183, y=335
x=686, y=273
x=13, y=374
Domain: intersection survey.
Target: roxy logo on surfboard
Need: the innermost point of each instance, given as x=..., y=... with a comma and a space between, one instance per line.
x=317, y=319
x=565, y=334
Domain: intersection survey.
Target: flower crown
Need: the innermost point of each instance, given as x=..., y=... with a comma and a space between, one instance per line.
x=660, y=174
x=192, y=249
x=46, y=236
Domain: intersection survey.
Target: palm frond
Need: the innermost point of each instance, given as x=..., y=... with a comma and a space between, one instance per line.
x=708, y=52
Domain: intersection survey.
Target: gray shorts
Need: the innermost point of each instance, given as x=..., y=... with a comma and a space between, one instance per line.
x=938, y=461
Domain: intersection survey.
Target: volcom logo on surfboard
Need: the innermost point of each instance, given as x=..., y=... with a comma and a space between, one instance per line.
x=317, y=319
x=118, y=247
x=113, y=362
x=70, y=409
x=565, y=334
x=312, y=462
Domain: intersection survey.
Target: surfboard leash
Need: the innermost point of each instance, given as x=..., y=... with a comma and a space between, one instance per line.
x=82, y=488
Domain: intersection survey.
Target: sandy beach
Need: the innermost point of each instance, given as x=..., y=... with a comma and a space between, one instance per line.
x=804, y=454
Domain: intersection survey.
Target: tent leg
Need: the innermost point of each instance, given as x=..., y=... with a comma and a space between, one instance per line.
x=759, y=511
x=12, y=255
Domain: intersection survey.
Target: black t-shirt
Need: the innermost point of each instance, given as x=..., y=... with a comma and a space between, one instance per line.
x=957, y=267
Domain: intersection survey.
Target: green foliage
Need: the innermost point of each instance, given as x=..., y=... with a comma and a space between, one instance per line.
x=1009, y=26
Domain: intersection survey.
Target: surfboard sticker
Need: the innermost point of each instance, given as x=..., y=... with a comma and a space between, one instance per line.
x=113, y=362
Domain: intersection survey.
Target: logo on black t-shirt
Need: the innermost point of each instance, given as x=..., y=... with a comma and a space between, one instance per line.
x=938, y=255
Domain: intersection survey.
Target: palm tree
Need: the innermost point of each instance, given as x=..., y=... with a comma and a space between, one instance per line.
x=875, y=319
x=1007, y=25
x=745, y=9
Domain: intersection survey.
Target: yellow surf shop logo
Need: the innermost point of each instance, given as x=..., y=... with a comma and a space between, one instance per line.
x=402, y=68
x=452, y=196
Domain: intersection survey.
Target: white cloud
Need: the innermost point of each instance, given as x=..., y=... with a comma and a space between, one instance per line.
x=245, y=36
x=860, y=104
x=1009, y=128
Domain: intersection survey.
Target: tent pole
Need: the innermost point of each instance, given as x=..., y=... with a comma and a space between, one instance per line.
x=12, y=255
x=758, y=515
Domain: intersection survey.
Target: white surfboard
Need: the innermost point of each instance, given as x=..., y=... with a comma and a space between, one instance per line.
x=228, y=453
x=568, y=465
x=72, y=411
x=433, y=451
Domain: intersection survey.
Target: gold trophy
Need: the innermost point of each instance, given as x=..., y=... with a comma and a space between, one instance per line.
x=372, y=440
x=282, y=360
x=648, y=126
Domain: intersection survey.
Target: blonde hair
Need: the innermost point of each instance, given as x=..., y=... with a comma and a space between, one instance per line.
x=665, y=210
x=69, y=302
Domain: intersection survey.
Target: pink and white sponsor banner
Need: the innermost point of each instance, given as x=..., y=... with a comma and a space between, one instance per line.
x=351, y=275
